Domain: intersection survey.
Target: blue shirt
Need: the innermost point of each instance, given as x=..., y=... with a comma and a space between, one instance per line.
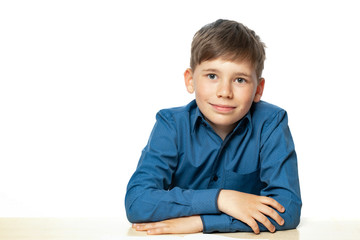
x=185, y=164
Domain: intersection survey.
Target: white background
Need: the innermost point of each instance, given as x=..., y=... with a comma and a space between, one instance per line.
x=81, y=82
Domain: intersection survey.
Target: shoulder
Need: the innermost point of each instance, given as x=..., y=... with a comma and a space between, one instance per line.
x=264, y=111
x=266, y=116
x=178, y=114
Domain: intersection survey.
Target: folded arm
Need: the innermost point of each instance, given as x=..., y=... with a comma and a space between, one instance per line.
x=279, y=172
x=150, y=196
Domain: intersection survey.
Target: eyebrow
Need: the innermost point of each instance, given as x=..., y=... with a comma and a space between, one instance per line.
x=236, y=73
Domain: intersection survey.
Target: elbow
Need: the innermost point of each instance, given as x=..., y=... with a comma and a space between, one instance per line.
x=134, y=216
x=291, y=223
x=292, y=219
x=138, y=212
x=133, y=213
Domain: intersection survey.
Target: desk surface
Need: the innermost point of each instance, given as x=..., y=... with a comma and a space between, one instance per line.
x=111, y=229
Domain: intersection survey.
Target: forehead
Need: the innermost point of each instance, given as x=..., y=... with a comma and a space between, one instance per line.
x=223, y=65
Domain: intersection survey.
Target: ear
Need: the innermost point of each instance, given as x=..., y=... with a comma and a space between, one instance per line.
x=259, y=90
x=189, y=81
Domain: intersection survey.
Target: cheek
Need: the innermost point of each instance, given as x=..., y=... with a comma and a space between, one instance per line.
x=246, y=95
x=203, y=90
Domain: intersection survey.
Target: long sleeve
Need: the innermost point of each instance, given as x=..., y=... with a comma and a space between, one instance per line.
x=150, y=195
x=278, y=173
x=279, y=170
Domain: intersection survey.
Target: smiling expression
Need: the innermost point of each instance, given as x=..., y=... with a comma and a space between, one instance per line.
x=224, y=91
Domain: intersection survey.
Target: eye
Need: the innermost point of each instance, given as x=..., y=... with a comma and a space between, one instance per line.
x=212, y=76
x=240, y=80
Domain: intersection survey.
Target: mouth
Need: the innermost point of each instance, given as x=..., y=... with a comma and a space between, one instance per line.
x=222, y=108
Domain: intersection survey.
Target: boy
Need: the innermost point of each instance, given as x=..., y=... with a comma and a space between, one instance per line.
x=226, y=161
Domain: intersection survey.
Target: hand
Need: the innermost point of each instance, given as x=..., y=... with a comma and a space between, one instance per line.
x=248, y=208
x=192, y=224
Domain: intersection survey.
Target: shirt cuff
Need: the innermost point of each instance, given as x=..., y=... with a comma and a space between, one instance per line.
x=216, y=223
x=205, y=201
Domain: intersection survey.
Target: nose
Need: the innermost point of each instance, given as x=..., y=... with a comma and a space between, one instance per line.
x=224, y=90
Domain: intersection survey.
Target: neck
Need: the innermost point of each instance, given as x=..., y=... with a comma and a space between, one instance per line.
x=223, y=131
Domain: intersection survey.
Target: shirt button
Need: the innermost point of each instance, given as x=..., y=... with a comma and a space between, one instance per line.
x=215, y=178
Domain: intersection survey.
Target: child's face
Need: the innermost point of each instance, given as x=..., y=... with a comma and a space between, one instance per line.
x=224, y=91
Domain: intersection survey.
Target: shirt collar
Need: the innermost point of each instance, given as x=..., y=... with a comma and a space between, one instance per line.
x=198, y=118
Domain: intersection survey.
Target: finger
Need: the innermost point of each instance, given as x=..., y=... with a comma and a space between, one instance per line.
x=270, y=212
x=265, y=221
x=253, y=225
x=157, y=231
x=273, y=203
x=148, y=226
x=138, y=226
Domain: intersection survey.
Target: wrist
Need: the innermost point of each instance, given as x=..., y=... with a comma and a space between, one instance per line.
x=220, y=200
x=225, y=198
x=199, y=224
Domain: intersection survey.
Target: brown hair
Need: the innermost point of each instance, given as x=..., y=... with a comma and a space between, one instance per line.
x=229, y=40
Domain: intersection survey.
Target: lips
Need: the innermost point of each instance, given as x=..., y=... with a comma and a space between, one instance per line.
x=222, y=108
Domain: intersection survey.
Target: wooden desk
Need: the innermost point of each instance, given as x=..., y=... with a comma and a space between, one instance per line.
x=111, y=229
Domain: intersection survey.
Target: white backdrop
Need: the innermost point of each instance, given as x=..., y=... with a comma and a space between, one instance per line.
x=81, y=82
